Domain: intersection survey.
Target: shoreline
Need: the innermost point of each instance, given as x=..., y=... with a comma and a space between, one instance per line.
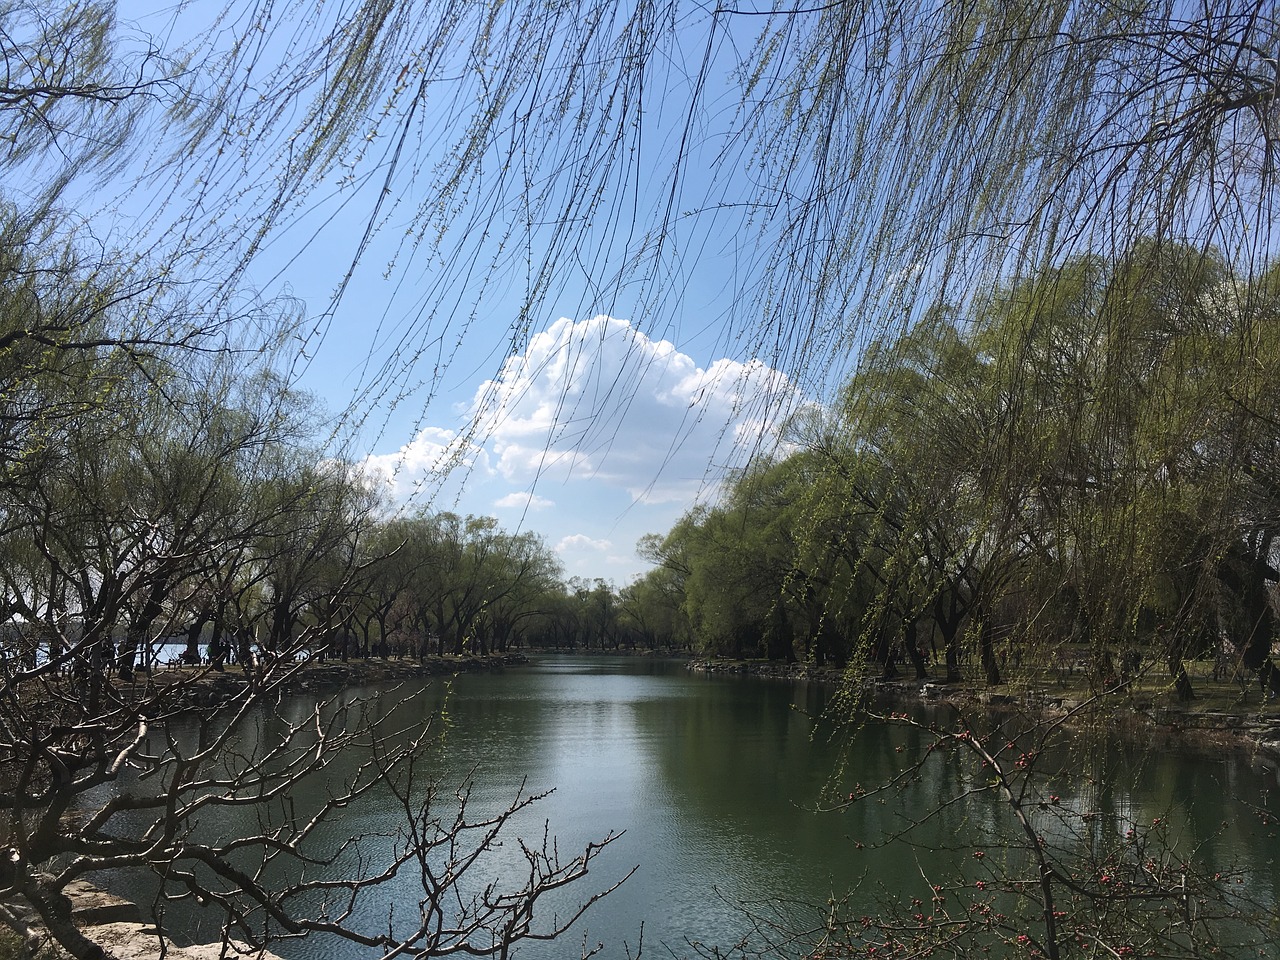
x=1251, y=729
x=117, y=925
x=1255, y=731
x=184, y=687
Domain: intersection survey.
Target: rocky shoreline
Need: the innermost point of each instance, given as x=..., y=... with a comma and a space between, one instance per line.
x=118, y=927
x=1253, y=732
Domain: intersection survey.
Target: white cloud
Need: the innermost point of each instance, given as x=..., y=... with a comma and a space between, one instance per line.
x=578, y=541
x=426, y=462
x=601, y=431
x=597, y=399
x=524, y=500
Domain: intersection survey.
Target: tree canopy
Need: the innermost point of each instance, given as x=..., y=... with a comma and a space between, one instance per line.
x=1080, y=470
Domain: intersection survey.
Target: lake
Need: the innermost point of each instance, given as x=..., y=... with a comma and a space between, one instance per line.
x=715, y=783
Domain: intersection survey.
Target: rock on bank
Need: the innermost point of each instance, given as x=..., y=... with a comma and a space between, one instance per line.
x=116, y=925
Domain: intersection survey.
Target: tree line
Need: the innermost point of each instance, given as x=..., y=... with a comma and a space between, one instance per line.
x=160, y=494
x=1077, y=470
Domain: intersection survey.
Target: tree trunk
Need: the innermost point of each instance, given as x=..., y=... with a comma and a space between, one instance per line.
x=910, y=639
x=217, y=650
x=948, y=621
x=192, y=653
x=55, y=912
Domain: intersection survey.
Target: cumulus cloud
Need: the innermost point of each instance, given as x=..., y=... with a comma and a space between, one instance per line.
x=524, y=501
x=598, y=399
x=426, y=461
x=579, y=541
x=602, y=432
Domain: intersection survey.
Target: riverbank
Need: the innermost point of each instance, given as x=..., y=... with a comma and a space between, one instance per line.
x=179, y=687
x=115, y=924
x=1224, y=716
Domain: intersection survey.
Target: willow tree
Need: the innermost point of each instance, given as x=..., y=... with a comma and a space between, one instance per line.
x=150, y=474
x=855, y=162
x=850, y=159
x=1116, y=378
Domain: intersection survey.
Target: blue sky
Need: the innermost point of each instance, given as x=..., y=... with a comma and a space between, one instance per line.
x=600, y=416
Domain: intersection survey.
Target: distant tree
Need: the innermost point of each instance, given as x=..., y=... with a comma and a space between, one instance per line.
x=523, y=589
x=652, y=610
x=386, y=607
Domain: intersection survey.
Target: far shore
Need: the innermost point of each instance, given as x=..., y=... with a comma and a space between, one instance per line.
x=1226, y=715
x=1239, y=719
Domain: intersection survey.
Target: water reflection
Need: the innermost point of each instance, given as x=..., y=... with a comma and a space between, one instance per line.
x=715, y=782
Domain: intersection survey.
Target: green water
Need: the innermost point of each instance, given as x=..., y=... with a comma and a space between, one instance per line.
x=713, y=783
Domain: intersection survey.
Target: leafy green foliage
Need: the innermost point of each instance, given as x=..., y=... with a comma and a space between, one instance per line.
x=1083, y=460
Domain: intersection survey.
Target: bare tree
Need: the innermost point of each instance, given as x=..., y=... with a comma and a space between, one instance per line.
x=1064, y=870
x=232, y=804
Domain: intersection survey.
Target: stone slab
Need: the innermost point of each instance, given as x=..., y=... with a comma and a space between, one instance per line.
x=137, y=941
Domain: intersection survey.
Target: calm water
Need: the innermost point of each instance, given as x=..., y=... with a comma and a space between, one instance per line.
x=714, y=783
